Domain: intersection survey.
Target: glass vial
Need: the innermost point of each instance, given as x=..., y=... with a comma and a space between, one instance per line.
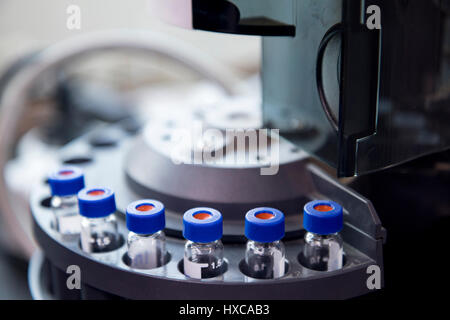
x=146, y=240
x=265, y=255
x=98, y=224
x=323, y=248
x=64, y=185
x=203, y=251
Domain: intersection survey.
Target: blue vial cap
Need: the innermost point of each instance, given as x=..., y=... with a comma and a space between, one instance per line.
x=322, y=217
x=202, y=225
x=96, y=202
x=66, y=181
x=264, y=225
x=145, y=216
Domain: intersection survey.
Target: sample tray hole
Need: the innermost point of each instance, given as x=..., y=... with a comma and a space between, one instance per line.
x=303, y=261
x=103, y=141
x=46, y=202
x=126, y=259
x=243, y=267
x=112, y=247
x=78, y=160
x=219, y=272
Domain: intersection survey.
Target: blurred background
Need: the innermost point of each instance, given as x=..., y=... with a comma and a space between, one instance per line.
x=27, y=27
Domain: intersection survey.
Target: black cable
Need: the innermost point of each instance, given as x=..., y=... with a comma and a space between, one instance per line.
x=329, y=35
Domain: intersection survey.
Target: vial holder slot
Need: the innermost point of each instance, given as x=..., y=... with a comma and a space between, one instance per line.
x=317, y=267
x=244, y=268
x=110, y=248
x=218, y=275
x=126, y=259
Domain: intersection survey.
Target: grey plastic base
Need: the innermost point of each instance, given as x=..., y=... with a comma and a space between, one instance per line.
x=363, y=236
x=168, y=282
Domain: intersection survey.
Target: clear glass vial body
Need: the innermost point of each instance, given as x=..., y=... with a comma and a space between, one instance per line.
x=99, y=234
x=265, y=260
x=323, y=252
x=66, y=218
x=147, y=251
x=203, y=260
